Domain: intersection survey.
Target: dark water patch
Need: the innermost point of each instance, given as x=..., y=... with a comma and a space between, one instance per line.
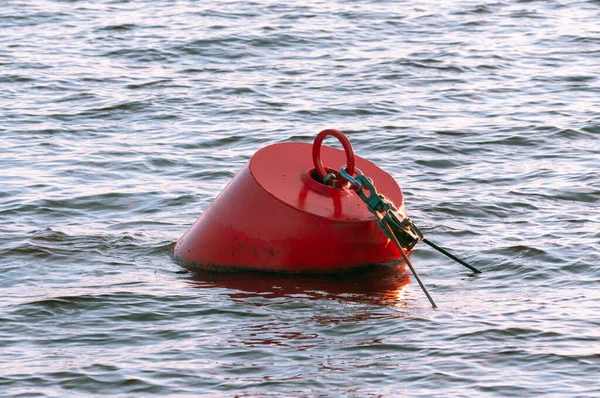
x=585, y=195
x=211, y=175
x=577, y=39
x=204, y=46
x=116, y=111
x=592, y=129
x=78, y=206
x=22, y=19
x=515, y=140
x=32, y=65
x=433, y=64
x=568, y=133
x=128, y=302
x=530, y=14
x=143, y=55
x=87, y=383
x=235, y=91
x=494, y=66
x=174, y=202
x=76, y=98
x=243, y=14
x=507, y=333
x=220, y=142
x=151, y=84
x=438, y=164
x=453, y=133
x=15, y=79
x=38, y=252
x=126, y=27
x=517, y=253
x=40, y=211
x=207, y=70
x=480, y=9
x=48, y=235
x=160, y=163
x=579, y=78
x=481, y=209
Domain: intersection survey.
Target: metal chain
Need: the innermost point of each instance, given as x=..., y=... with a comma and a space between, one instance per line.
x=384, y=209
x=394, y=224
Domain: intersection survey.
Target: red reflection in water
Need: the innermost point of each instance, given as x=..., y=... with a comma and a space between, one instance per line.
x=382, y=285
x=379, y=286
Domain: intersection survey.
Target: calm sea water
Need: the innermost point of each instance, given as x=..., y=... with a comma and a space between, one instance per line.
x=120, y=121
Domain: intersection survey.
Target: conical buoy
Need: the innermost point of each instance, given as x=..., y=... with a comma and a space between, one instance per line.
x=276, y=215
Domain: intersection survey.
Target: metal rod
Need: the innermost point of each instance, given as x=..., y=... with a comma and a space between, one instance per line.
x=458, y=260
x=412, y=269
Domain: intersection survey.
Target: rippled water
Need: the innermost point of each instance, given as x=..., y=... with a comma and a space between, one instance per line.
x=121, y=121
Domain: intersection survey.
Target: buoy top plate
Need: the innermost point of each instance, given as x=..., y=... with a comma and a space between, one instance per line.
x=283, y=170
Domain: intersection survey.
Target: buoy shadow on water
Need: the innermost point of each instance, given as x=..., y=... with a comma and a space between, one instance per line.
x=377, y=284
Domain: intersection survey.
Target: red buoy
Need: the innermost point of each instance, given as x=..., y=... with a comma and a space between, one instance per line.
x=275, y=215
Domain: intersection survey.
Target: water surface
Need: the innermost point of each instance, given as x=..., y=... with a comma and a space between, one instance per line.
x=121, y=121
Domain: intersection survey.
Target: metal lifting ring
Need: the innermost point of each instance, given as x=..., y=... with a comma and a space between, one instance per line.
x=350, y=161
